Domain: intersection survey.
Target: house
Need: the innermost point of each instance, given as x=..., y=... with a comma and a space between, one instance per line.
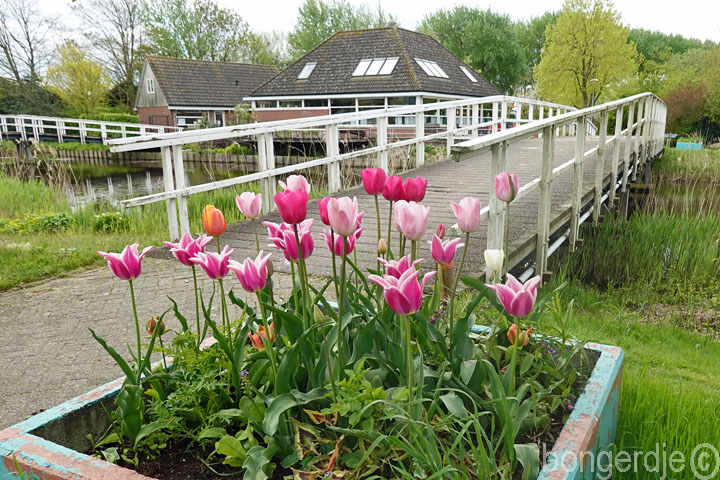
x=181, y=92
x=359, y=70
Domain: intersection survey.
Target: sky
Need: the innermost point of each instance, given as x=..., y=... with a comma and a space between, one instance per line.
x=691, y=18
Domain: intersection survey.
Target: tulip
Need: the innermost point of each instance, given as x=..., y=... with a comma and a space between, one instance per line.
x=343, y=215
x=494, y=260
x=517, y=299
x=506, y=186
x=443, y=252
x=323, y=207
x=524, y=336
x=399, y=205
x=152, y=324
x=382, y=247
x=373, y=180
x=256, y=338
x=296, y=182
x=282, y=238
x=249, y=204
x=467, y=213
x=404, y=294
x=213, y=221
x=414, y=189
x=292, y=205
x=395, y=268
x=337, y=249
x=126, y=265
x=188, y=248
x=412, y=220
x=214, y=264
x=440, y=231
x=252, y=274
x=393, y=189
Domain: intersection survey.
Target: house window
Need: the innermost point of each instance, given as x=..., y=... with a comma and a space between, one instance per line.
x=431, y=68
x=150, y=85
x=291, y=104
x=468, y=74
x=188, y=117
x=266, y=104
x=342, y=105
x=307, y=70
x=220, y=119
x=315, y=103
x=375, y=66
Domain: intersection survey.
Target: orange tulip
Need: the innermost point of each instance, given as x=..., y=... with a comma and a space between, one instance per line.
x=524, y=336
x=213, y=221
x=256, y=340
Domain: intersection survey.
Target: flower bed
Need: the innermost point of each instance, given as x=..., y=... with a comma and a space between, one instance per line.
x=389, y=382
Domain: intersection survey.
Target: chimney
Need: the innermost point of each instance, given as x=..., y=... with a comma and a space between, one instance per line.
x=392, y=24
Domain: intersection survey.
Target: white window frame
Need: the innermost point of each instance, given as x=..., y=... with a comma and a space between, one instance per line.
x=150, y=86
x=307, y=70
x=468, y=74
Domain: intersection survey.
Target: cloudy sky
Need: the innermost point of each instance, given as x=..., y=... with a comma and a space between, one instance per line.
x=691, y=18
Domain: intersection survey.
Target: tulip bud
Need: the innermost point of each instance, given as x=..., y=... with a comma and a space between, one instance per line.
x=494, y=260
x=270, y=269
x=440, y=231
x=154, y=323
x=319, y=315
x=382, y=247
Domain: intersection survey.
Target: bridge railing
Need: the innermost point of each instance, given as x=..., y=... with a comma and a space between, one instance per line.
x=26, y=127
x=639, y=125
x=467, y=118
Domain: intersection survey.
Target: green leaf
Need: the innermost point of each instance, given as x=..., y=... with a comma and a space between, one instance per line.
x=526, y=364
x=286, y=370
x=254, y=464
x=180, y=317
x=129, y=407
x=147, y=430
x=472, y=374
x=118, y=359
x=283, y=402
x=111, y=455
x=529, y=456
x=212, y=432
x=454, y=405
x=363, y=342
x=232, y=448
x=459, y=339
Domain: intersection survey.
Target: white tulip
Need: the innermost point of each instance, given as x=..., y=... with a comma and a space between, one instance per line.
x=494, y=260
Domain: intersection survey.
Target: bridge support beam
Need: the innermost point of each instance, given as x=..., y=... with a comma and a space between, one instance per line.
x=179, y=185
x=451, y=126
x=577, y=182
x=636, y=139
x=600, y=166
x=169, y=184
x=382, y=140
x=332, y=142
x=544, y=203
x=615, y=156
x=266, y=161
x=626, y=162
x=419, y=133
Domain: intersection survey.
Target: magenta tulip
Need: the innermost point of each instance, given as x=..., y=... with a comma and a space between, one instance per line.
x=249, y=204
x=296, y=182
x=252, y=274
x=443, y=252
x=215, y=264
x=322, y=206
x=440, y=231
x=467, y=213
x=126, y=265
x=517, y=299
x=404, y=294
x=506, y=186
x=188, y=248
x=373, y=180
x=343, y=215
x=412, y=220
x=393, y=189
x=292, y=205
x=414, y=189
x=337, y=249
x=395, y=268
x=282, y=238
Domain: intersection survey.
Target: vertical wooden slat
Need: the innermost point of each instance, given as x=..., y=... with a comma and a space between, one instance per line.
x=179, y=185
x=600, y=165
x=332, y=139
x=615, y=155
x=647, y=128
x=495, y=118
x=475, y=119
x=382, y=140
x=266, y=161
x=503, y=115
x=544, y=203
x=419, y=133
x=636, y=139
x=541, y=113
x=451, y=125
x=577, y=182
x=531, y=112
x=626, y=162
x=169, y=185
x=496, y=215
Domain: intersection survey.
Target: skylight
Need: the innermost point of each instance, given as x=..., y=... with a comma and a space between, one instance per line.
x=469, y=75
x=431, y=68
x=307, y=70
x=375, y=66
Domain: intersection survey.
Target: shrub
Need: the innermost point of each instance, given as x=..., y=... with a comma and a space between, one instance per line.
x=111, y=222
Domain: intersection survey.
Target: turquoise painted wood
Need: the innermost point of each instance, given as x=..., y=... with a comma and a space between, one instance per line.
x=688, y=146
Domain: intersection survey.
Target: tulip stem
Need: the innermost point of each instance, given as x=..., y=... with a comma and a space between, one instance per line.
x=294, y=290
x=329, y=362
x=513, y=361
x=307, y=304
x=137, y=330
x=413, y=248
x=197, y=308
x=341, y=302
x=266, y=338
x=335, y=277
x=408, y=360
x=257, y=241
x=451, y=309
x=402, y=245
x=507, y=238
x=162, y=350
x=223, y=303
x=217, y=239
x=377, y=216
x=390, y=224
x=441, y=285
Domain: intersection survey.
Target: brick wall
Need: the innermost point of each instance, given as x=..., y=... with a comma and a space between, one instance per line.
x=284, y=114
x=155, y=116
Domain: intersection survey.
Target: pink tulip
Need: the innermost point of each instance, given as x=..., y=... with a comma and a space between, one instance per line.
x=443, y=252
x=282, y=238
x=467, y=213
x=395, y=268
x=393, y=189
x=214, y=264
x=404, y=294
x=412, y=220
x=252, y=274
x=414, y=189
x=343, y=215
x=373, y=180
x=440, y=231
x=322, y=206
x=506, y=186
x=296, y=182
x=126, y=265
x=337, y=249
x=517, y=299
x=188, y=248
x=292, y=205
x=397, y=206
x=249, y=204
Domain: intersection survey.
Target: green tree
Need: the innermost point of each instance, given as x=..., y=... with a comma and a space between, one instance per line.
x=531, y=36
x=483, y=39
x=657, y=46
x=318, y=20
x=267, y=49
x=78, y=80
x=586, y=55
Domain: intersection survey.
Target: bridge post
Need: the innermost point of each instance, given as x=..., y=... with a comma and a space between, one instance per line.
x=332, y=139
x=577, y=182
x=600, y=166
x=496, y=214
x=626, y=162
x=495, y=117
x=59, y=127
x=544, y=204
x=103, y=132
x=636, y=139
x=503, y=115
x=169, y=184
x=615, y=155
x=541, y=112
x=648, y=123
x=266, y=161
x=179, y=185
x=474, y=120
x=382, y=140
x=419, y=133
x=451, y=126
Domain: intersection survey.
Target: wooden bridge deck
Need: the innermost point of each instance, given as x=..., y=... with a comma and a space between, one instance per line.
x=449, y=181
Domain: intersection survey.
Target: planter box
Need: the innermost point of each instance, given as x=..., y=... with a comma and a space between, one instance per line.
x=49, y=444
x=689, y=146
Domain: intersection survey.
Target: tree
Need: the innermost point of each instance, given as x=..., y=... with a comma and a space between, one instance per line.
x=586, y=55
x=114, y=28
x=317, y=20
x=267, y=49
x=483, y=39
x=657, y=46
x=531, y=36
x=24, y=39
x=78, y=80
x=28, y=99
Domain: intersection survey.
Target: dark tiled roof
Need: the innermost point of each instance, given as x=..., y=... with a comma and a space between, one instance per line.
x=202, y=83
x=338, y=56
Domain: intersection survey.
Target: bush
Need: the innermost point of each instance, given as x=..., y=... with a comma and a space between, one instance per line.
x=114, y=117
x=36, y=223
x=111, y=222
